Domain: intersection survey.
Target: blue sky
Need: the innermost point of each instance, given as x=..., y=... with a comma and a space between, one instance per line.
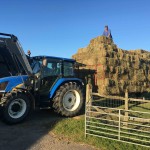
x=60, y=27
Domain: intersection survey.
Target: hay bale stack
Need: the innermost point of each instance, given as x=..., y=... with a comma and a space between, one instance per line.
x=113, y=70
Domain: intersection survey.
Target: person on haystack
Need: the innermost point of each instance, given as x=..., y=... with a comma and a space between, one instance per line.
x=107, y=32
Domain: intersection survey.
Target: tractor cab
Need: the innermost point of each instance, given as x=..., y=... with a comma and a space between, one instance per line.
x=52, y=66
x=48, y=71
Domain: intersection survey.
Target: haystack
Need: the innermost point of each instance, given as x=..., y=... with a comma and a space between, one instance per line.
x=113, y=70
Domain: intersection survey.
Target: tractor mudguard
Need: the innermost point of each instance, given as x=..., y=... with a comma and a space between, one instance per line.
x=62, y=81
x=12, y=82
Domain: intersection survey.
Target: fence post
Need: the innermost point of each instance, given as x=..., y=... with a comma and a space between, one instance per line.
x=126, y=107
x=87, y=93
x=88, y=103
x=119, y=125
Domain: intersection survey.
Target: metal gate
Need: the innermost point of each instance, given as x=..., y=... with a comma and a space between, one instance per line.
x=118, y=118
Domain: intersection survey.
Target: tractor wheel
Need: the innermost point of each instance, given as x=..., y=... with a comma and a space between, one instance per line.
x=68, y=100
x=16, y=108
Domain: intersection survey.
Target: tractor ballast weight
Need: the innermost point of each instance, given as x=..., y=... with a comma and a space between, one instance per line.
x=43, y=81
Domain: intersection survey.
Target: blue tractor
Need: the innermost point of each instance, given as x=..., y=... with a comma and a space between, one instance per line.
x=43, y=81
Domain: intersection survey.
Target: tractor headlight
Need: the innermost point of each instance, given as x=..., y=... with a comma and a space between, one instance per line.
x=3, y=86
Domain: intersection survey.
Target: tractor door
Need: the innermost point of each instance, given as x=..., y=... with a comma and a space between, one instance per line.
x=50, y=73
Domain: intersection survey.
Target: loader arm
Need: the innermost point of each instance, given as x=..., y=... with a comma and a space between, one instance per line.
x=15, y=50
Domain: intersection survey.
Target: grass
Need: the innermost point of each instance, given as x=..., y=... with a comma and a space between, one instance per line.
x=73, y=129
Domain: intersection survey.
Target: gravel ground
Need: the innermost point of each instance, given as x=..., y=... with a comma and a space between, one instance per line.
x=34, y=134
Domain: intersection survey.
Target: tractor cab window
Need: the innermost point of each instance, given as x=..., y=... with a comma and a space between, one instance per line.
x=52, y=68
x=68, y=69
x=36, y=66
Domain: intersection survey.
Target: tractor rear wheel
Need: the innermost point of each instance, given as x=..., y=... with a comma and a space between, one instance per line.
x=68, y=100
x=16, y=108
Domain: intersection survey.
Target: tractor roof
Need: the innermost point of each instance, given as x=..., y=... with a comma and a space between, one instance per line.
x=53, y=57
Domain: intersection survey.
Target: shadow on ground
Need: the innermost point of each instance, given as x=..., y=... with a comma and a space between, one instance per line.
x=22, y=136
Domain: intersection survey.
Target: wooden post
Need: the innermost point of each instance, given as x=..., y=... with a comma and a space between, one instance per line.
x=88, y=97
x=119, y=125
x=86, y=107
x=87, y=93
x=88, y=104
x=126, y=108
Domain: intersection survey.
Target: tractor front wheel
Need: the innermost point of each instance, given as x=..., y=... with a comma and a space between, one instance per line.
x=68, y=100
x=16, y=108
